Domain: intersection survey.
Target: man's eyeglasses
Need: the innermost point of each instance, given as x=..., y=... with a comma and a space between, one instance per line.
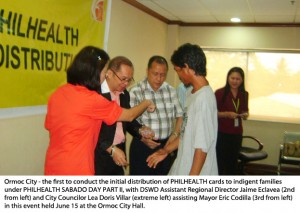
x=124, y=80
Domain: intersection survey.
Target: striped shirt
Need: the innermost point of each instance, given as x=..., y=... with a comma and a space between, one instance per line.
x=168, y=108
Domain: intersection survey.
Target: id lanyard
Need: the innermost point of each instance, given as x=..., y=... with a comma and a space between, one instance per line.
x=236, y=106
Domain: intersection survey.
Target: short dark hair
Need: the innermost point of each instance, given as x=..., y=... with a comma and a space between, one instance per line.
x=116, y=63
x=193, y=56
x=158, y=59
x=86, y=68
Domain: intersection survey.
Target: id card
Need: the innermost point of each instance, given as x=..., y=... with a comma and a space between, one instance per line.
x=236, y=122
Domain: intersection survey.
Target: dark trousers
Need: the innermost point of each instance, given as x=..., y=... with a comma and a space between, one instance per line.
x=139, y=152
x=105, y=165
x=228, y=147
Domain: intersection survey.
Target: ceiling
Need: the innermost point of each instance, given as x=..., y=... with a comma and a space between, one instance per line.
x=221, y=11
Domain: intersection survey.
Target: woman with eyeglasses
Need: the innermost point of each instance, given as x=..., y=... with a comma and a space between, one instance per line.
x=76, y=112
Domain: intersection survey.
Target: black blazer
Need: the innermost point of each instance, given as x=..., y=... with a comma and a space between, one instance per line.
x=107, y=132
x=104, y=164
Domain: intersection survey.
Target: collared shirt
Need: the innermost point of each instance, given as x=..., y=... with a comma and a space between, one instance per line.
x=182, y=93
x=226, y=125
x=119, y=135
x=168, y=108
x=105, y=87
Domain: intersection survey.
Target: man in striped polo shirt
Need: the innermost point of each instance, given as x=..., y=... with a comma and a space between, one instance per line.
x=165, y=121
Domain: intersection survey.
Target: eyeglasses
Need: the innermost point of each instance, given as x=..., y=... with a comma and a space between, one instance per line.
x=124, y=80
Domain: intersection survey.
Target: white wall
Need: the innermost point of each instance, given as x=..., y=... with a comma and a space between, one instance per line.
x=135, y=35
x=23, y=145
x=242, y=37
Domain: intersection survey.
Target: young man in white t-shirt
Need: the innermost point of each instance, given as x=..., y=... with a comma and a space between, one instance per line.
x=197, y=143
